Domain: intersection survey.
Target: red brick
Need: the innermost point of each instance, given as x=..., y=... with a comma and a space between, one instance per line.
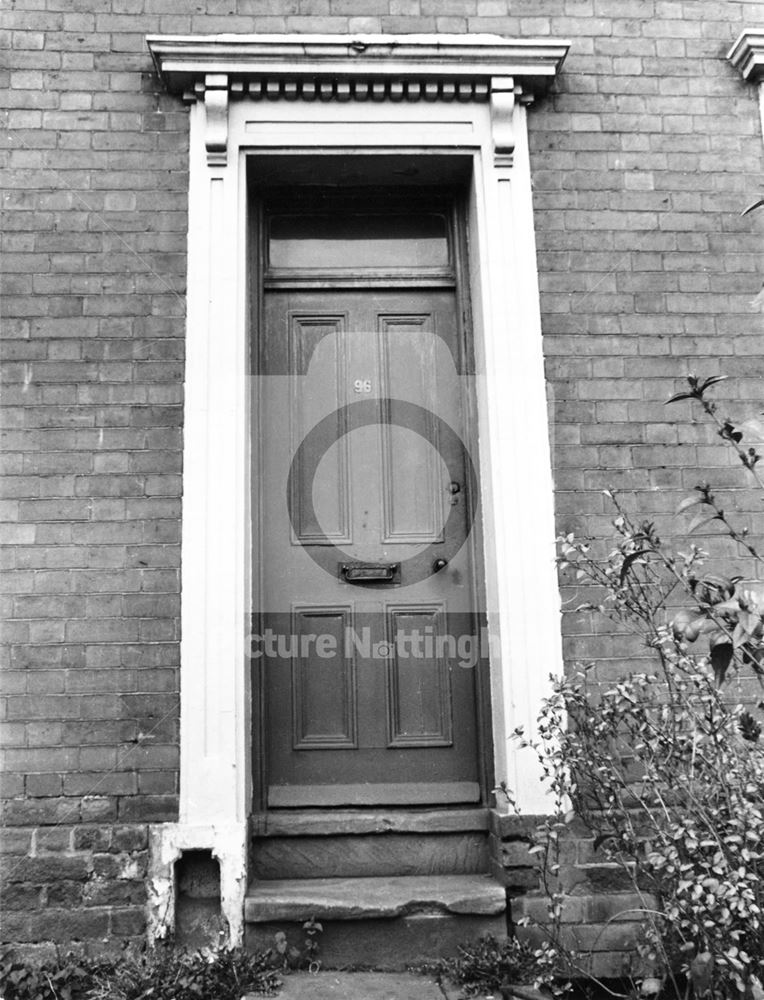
x=115, y=894
x=16, y=927
x=98, y=808
x=50, y=868
x=91, y=838
x=69, y=894
x=43, y=785
x=103, y=782
x=149, y=808
x=21, y=897
x=11, y=785
x=128, y=921
x=129, y=838
x=158, y=782
x=70, y=925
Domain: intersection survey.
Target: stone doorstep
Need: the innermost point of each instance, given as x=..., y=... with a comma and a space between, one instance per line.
x=372, y=898
x=315, y=822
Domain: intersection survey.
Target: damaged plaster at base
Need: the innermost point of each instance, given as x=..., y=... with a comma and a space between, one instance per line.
x=228, y=843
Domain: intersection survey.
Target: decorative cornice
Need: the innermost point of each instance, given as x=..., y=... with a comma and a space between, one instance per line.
x=182, y=60
x=747, y=55
x=216, y=68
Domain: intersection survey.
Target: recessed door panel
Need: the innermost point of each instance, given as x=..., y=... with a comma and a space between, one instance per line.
x=414, y=508
x=317, y=344
x=324, y=695
x=419, y=678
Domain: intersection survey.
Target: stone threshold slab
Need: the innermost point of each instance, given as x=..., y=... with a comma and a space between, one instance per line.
x=370, y=898
x=306, y=822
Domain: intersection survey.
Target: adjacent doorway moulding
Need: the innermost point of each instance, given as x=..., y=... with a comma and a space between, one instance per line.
x=426, y=97
x=747, y=56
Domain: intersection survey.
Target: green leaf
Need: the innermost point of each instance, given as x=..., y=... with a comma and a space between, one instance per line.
x=650, y=987
x=678, y=396
x=689, y=502
x=752, y=208
x=700, y=520
x=757, y=993
x=721, y=657
x=712, y=380
x=630, y=559
x=732, y=606
x=739, y=636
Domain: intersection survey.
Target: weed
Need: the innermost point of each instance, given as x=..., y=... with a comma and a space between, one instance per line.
x=162, y=973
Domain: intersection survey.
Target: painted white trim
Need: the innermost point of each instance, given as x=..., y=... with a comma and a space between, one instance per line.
x=167, y=841
x=182, y=60
x=214, y=577
x=747, y=56
x=523, y=595
x=431, y=68
x=488, y=124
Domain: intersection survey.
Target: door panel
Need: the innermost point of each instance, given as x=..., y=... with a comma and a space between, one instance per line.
x=419, y=701
x=324, y=695
x=365, y=701
x=413, y=500
x=332, y=501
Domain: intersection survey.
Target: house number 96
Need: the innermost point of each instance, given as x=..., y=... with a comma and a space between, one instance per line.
x=362, y=385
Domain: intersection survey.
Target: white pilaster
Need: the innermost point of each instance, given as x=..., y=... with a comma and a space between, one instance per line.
x=523, y=607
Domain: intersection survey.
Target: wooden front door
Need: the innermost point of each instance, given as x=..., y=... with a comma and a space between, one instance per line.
x=367, y=641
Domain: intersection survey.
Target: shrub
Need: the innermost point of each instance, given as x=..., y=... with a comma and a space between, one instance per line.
x=664, y=767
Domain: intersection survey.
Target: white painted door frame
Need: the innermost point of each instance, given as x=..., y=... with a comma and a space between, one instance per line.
x=302, y=95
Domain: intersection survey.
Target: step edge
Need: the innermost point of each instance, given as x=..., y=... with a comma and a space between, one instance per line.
x=301, y=822
x=479, y=895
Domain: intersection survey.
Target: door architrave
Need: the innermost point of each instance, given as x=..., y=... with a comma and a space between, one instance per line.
x=436, y=96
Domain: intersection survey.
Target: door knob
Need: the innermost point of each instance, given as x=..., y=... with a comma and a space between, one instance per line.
x=439, y=564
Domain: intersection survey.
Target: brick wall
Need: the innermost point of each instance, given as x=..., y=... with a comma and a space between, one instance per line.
x=642, y=161
x=73, y=885
x=599, y=915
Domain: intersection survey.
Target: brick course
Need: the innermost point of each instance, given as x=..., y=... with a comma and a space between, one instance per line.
x=643, y=158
